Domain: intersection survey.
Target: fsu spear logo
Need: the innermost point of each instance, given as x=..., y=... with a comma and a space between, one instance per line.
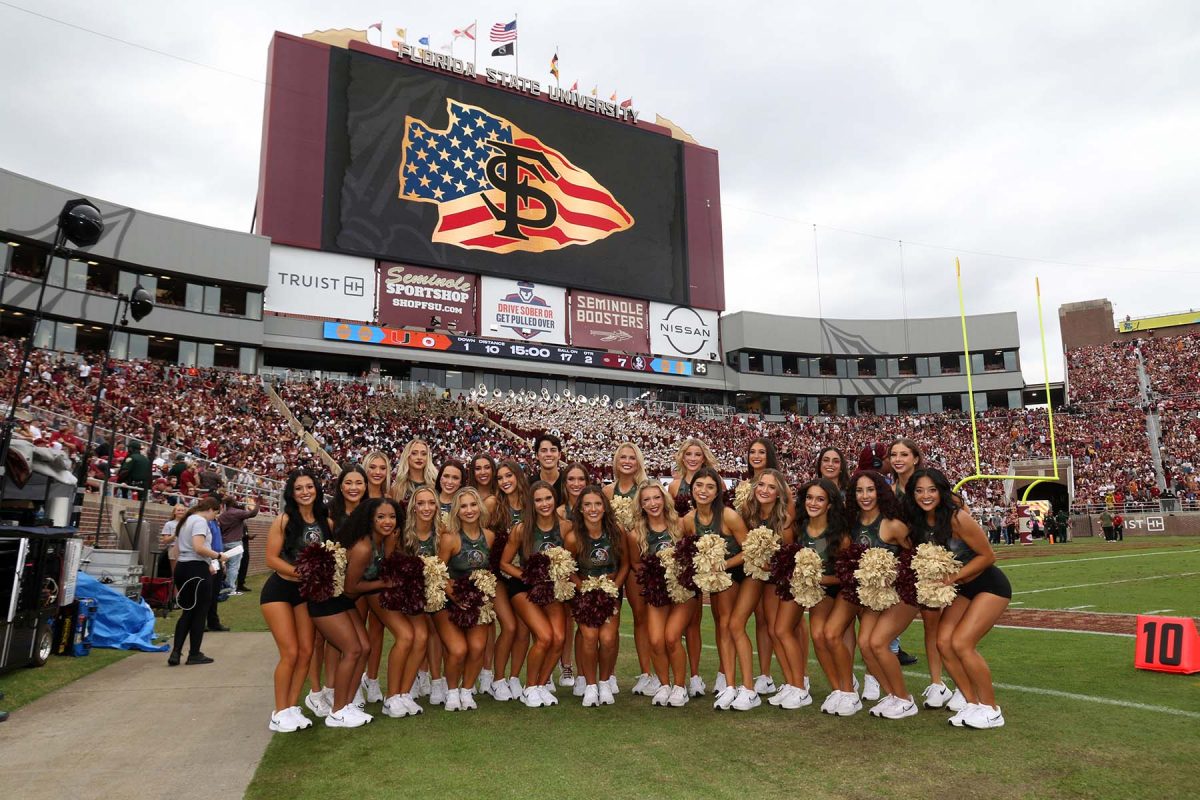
x=498, y=188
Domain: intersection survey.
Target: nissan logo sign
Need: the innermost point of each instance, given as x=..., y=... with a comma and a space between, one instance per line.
x=686, y=331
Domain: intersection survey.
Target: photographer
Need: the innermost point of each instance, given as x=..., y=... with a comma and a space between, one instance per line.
x=232, y=522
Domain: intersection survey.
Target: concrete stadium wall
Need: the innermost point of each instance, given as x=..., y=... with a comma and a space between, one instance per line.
x=1179, y=523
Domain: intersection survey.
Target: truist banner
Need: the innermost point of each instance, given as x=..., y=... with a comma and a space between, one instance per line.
x=522, y=310
x=607, y=322
x=318, y=284
x=422, y=297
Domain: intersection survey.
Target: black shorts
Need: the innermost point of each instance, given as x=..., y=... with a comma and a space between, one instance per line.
x=991, y=581
x=832, y=591
x=327, y=608
x=737, y=574
x=280, y=590
x=515, y=586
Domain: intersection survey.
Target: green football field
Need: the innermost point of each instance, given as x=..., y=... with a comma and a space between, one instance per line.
x=1081, y=721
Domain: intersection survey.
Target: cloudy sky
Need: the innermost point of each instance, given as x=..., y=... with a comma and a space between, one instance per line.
x=1035, y=139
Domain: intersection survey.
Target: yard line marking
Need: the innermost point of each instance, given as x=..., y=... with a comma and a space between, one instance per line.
x=1077, y=608
x=1096, y=558
x=1018, y=603
x=1087, y=698
x=1063, y=630
x=1107, y=583
x=1157, y=611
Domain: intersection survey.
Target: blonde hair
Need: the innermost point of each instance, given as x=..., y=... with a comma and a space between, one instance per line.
x=779, y=513
x=710, y=460
x=402, y=487
x=387, y=471
x=454, y=525
x=639, y=477
x=641, y=525
x=411, y=541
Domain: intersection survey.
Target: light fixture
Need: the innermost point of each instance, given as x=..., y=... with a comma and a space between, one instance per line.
x=14, y=244
x=140, y=303
x=93, y=263
x=81, y=223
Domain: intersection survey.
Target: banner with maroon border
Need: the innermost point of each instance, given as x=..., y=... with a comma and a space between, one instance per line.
x=423, y=297
x=608, y=322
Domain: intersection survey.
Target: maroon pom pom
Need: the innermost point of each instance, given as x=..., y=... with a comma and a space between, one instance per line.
x=906, y=579
x=652, y=577
x=781, y=567
x=499, y=542
x=685, y=559
x=536, y=573
x=593, y=608
x=464, y=611
x=407, y=575
x=315, y=565
x=683, y=504
x=844, y=565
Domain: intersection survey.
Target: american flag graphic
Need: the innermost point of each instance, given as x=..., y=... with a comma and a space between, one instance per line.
x=504, y=31
x=451, y=169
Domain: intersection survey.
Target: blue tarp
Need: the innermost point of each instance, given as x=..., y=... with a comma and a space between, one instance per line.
x=120, y=623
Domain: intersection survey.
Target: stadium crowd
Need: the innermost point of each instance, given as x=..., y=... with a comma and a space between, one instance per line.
x=1098, y=374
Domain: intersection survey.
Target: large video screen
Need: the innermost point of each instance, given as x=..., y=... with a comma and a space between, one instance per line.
x=430, y=170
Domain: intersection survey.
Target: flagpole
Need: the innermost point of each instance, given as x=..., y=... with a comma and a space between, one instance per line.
x=516, y=50
x=557, y=82
x=475, y=60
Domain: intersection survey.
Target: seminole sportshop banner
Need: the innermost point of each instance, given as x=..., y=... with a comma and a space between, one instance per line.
x=431, y=170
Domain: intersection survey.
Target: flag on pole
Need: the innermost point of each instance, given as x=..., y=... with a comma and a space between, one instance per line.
x=575, y=86
x=423, y=40
x=402, y=33
x=614, y=96
x=377, y=26
x=627, y=102
x=504, y=50
x=540, y=201
x=504, y=31
x=468, y=32
x=594, y=88
x=554, y=66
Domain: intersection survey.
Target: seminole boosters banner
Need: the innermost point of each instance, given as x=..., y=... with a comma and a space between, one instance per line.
x=609, y=323
x=418, y=297
x=522, y=310
x=435, y=171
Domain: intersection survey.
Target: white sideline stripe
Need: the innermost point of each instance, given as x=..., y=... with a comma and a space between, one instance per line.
x=1077, y=608
x=1087, y=698
x=1107, y=583
x=1157, y=611
x=1063, y=630
x=1018, y=603
x=1093, y=558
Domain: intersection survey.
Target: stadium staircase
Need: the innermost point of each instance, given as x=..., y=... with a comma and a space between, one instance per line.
x=309, y=440
x=1153, y=424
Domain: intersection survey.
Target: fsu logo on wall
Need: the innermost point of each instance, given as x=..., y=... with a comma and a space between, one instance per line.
x=501, y=189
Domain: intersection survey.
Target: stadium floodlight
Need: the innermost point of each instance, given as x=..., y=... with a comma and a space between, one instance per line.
x=81, y=224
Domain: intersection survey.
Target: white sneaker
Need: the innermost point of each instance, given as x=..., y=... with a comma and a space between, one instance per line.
x=661, y=696
x=870, y=688
x=531, y=697
x=500, y=692
x=777, y=698
x=360, y=699
x=548, y=697
x=566, y=676
x=453, y=700
x=964, y=712
x=956, y=702
x=937, y=695
x=854, y=678
x=327, y=693
x=374, y=693
x=696, y=686
x=653, y=684
x=985, y=717
x=639, y=686
x=797, y=698
x=720, y=684
x=746, y=699
x=486, y=678
x=413, y=707
x=550, y=687
x=725, y=698
x=679, y=697
x=764, y=684
x=580, y=686
x=848, y=706
x=438, y=693
x=424, y=685
x=514, y=687
x=393, y=708
x=467, y=701
x=606, y=693
x=612, y=684
x=807, y=688
x=358, y=712
x=298, y=715
x=283, y=722
x=882, y=706
x=900, y=708
x=345, y=718
x=317, y=704
x=831, y=701
x=591, y=696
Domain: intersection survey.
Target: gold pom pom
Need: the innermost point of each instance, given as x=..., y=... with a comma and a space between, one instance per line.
x=709, y=561
x=806, y=578
x=933, y=564
x=876, y=576
x=675, y=590
x=742, y=494
x=760, y=544
x=339, y=567
x=436, y=578
x=485, y=582
x=562, y=567
x=623, y=511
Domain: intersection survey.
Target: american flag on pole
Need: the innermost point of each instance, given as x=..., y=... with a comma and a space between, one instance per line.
x=501, y=189
x=504, y=31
